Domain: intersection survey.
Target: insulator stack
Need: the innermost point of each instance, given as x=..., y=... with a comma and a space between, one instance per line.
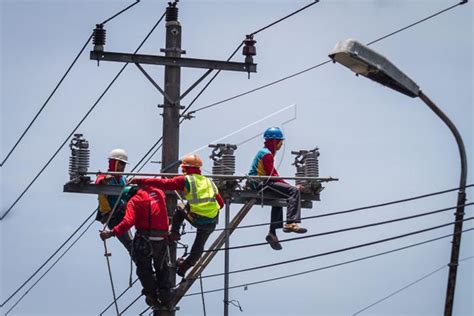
x=171, y=12
x=80, y=156
x=307, y=165
x=312, y=163
x=228, y=163
x=98, y=38
x=224, y=159
x=299, y=173
x=249, y=50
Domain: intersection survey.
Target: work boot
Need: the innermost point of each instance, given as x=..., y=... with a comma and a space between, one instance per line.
x=294, y=228
x=183, y=266
x=272, y=239
x=174, y=236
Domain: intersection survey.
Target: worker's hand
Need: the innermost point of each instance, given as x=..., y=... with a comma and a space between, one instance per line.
x=300, y=187
x=106, y=234
x=106, y=179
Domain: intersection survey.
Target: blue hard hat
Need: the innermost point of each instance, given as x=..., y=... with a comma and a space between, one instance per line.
x=273, y=133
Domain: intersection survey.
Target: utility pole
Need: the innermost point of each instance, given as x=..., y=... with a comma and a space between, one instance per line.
x=172, y=93
x=171, y=115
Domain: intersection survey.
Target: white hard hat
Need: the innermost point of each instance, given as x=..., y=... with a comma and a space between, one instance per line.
x=119, y=154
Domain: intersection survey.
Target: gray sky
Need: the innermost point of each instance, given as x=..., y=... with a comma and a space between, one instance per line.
x=382, y=145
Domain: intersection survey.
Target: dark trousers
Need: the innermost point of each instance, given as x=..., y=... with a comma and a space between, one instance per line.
x=293, y=200
x=202, y=234
x=153, y=271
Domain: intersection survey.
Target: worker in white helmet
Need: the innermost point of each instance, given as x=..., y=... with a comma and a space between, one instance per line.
x=118, y=159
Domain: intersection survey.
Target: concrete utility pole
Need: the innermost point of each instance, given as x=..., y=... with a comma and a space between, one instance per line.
x=171, y=115
x=172, y=92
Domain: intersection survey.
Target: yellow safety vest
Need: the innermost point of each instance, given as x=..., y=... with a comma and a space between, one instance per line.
x=202, y=196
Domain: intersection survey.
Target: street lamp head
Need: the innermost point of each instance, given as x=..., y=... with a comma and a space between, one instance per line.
x=366, y=62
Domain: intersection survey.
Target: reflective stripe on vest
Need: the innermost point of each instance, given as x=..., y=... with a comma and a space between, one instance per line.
x=202, y=196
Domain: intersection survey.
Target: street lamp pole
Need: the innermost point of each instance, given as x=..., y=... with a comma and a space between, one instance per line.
x=459, y=215
x=366, y=62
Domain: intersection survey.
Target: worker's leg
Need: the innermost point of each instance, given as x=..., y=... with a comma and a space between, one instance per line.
x=162, y=270
x=202, y=234
x=147, y=277
x=293, y=200
x=276, y=219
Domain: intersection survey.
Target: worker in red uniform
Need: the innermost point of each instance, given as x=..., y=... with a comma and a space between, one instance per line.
x=202, y=211
x=118, y=159
x=263, y=165
x=146, y=210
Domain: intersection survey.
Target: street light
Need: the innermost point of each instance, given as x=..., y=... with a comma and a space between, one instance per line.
x=366, y=62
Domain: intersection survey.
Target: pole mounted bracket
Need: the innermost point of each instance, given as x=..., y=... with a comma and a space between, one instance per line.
x=173, y=61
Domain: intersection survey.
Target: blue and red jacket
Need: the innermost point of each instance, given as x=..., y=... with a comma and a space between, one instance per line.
x=264, y=163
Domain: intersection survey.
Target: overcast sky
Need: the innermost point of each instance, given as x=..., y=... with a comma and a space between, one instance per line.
x=382, y=145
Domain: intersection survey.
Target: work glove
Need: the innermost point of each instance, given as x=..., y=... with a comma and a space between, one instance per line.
x=106, y=234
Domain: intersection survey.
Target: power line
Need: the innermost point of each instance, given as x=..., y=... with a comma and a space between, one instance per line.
x=325, y=233
x=285, y=17
x=354, y=209
x=339, y=250
x=80, y=122
x=342, y=230
x=322, y=63
x=330, y=266
x=407, y=286
x=59, y=83
x=80, y=226
x=46, y=262
x=239, y=46
x=57, y=260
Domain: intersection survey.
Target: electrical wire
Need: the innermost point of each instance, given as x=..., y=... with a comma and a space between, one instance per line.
x=50, y=257
x=81, y=121
x=54, y=263
x=405, y=287
x=323, y=234
x=85, y=221
x=353, y=209
x=341, y=249
x=341, y=230
x=118, y=297
x=237, y=49
x=322, y=63
x=329, y=266
x=285, y=17
x=59, y=83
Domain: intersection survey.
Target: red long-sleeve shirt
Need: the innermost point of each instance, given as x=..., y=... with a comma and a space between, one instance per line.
x=137, y=212
x=177, y=183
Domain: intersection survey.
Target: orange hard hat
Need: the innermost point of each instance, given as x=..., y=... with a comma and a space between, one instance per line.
x=191, y=161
